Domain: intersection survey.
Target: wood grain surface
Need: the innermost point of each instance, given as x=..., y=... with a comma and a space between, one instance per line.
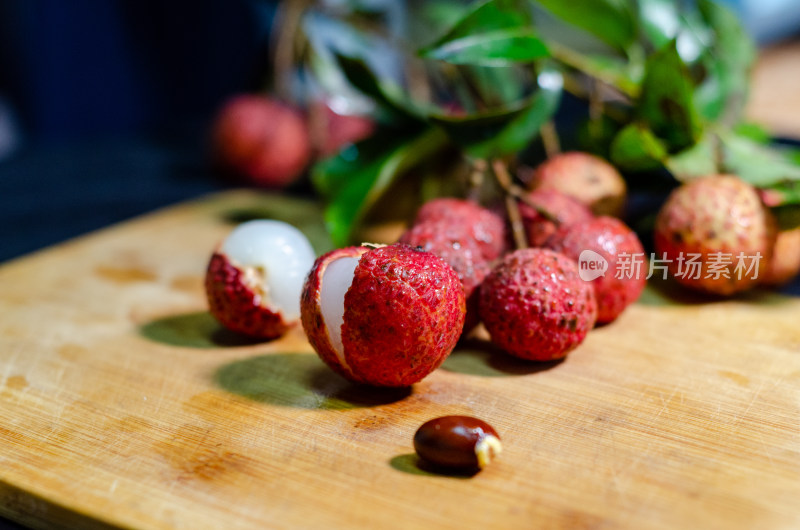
x=123, y=403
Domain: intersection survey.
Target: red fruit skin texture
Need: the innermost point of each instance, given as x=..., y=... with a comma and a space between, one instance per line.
x=609, y=237
x=262, y=140
x=535, y=306
x=484, y=226
x=341, y=130
x=404, y=313
x=311, y=313
x=239, y=306
x=453, y=243
x=566, y=209
x=588, y=178
x=715, y=214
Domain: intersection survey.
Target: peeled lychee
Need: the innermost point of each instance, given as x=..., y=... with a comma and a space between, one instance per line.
x=255, y=277
x=454, y=243
x=588, y=178
x=261, y=140
x=484, y=226
x=535, y=306
x=607, y=240
x=716, y=234
x=567, y=211
x=385, y=316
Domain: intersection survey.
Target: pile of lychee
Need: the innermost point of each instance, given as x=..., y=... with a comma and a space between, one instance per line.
x=388, y=315
x=265, y=142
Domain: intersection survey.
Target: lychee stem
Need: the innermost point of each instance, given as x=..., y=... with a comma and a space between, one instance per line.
x=552, y=145
x=504, y=179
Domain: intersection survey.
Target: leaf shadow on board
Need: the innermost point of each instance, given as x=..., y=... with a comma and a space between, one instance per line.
x=481, y=357
x=300, y=380
x=193, y=330
x=411, y=464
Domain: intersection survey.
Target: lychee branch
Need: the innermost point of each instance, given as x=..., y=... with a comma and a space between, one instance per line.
x=512, y=208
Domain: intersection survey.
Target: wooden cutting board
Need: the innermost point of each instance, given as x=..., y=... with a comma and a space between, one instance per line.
x=123, y=403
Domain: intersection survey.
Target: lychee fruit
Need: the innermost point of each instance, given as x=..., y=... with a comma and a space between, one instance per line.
x=588, y=178
x=785, y=263
x=385, y=316
x=332, y=131
x=565, y=209
x=454, y=243
x=255, y=277
x=535, y=305
x=484, y=226
x=716, y=235
x=618, y=258
x=261, y=140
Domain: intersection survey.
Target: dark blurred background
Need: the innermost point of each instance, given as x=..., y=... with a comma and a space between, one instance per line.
x=105, y=106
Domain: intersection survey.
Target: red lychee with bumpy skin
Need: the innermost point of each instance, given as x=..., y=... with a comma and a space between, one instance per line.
x=567, y=211
x=333, y=131
x=385, y=316
x=588, y=178
x=254, y=279
x=611, y=240
x=535, y=306
x=482, y=225
x=785, y=263
x=716, y=234
x=454, y=244
x=261, y=140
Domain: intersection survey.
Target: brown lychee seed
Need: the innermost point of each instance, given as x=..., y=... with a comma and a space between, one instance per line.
x=715, y=235
x=261, y=140
x=566, y=210
x=535, y=305
x=254, y=278
x=385, y=316
x=588, y=178
x=459, y=443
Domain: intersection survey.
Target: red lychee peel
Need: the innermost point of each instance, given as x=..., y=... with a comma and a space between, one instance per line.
x=237, y=306
x=567, y=210
x=453, y=243
x=482, y=225
x=715, y=214
x=535, y=306
x=311, y=312
x=404, y=313
x=261, y=140
x=609, y=237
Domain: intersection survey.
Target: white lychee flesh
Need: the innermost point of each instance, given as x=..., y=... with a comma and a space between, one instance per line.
x=336, y=280
x=278, y=255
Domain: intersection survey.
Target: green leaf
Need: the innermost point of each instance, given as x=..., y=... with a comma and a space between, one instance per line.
x=611, y=21
x=760, y=165
x=660, y=21
x=728, y=62
x=788, y=214
x=509, y=129
x=352, y=181
x=612, y=70
x=636, y=148
x=383, y=91
x=487, y=17
x=696, y=161
x=665, y=103
x=496, y=48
